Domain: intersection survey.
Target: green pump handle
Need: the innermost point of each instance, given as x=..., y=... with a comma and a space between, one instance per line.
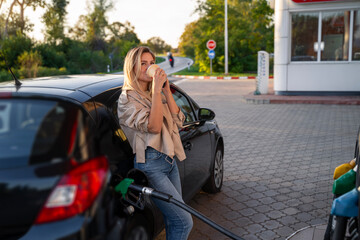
x=123, y=186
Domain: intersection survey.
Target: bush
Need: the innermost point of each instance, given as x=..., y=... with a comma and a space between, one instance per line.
x=30, y=62
x=51, y=58
x=13, y=47
x=89, y=62
x=44, y=71
x=5, y=76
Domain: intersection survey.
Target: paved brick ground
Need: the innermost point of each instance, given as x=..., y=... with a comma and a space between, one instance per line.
x=279, y=161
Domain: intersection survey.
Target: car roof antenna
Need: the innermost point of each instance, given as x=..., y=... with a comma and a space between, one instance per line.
x=17, y=82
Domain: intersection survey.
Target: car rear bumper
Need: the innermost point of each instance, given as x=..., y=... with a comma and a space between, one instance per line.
x=79, y=228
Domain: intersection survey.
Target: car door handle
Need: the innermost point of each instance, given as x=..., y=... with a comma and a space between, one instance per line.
x=188, y=146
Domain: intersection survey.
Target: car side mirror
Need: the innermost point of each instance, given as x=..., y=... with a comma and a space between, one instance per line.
x=205, y=114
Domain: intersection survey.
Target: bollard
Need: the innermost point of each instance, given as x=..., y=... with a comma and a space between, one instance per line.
x=263, y=72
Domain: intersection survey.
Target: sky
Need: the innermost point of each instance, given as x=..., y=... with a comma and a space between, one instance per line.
x=151, y=18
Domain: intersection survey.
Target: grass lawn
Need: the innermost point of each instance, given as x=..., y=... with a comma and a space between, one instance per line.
x=195, y=72
x=159, y=60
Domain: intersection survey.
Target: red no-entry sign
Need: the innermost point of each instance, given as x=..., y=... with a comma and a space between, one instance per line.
x=211, y=44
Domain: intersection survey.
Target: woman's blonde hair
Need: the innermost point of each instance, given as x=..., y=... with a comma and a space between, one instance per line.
x=132, y=69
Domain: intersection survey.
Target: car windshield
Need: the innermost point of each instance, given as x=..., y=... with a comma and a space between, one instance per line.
x=28, y=129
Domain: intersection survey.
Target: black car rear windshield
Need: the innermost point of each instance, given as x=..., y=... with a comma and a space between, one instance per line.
x=29, y=129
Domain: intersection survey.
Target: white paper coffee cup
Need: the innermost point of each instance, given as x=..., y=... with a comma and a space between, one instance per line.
x=151, y=70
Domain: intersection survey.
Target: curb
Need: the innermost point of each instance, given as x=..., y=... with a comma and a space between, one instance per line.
x=250, y=100
x=212, y=77
x=279, y=99
x=315, y=232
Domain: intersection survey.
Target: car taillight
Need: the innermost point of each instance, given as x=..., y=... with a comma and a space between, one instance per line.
x=75, y=192
x=5, y=94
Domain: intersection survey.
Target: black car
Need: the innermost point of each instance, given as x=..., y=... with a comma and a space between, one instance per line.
x=60, y=148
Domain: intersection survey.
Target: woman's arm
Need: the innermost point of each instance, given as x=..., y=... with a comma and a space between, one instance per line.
x=156, y=115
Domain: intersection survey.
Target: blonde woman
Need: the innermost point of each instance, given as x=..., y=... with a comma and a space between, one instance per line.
x=150, y=119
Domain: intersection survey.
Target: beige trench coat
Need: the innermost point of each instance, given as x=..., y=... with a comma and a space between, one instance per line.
x=133, y=111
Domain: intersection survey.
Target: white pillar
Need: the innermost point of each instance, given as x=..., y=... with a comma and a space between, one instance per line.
x=281, y=45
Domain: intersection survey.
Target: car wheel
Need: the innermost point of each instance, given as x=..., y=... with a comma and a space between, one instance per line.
x=137, y=228
x=214, y=184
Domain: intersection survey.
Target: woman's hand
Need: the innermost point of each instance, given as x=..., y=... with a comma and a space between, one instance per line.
x=158, y=81
x=156, y=115
x=166, y=86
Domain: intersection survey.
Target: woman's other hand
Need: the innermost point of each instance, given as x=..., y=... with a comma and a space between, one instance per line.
x=166, y=86
x=158, y=81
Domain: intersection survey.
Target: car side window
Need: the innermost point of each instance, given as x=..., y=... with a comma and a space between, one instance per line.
x=184, y=106
x=112, y=141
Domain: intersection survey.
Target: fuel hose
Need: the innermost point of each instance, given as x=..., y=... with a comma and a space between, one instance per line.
x=127, y=184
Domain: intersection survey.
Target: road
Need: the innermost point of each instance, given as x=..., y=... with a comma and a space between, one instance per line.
x=279, y=161
x=180, y=63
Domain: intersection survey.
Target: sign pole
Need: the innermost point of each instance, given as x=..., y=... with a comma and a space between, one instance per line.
x=211, y=45
x=226, y=41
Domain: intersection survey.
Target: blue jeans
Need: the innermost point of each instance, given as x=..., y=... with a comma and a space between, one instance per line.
x=163, y=175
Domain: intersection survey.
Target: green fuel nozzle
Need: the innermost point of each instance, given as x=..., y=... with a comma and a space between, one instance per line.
x=123, y=186
x=345, y=183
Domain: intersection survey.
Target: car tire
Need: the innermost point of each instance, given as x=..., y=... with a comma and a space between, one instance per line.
x=137, y=228
x=215, y=181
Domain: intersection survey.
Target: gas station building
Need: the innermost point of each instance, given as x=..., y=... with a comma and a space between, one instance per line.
x=317, y=47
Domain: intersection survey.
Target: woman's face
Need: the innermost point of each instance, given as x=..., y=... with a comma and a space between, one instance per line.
x=146, y=60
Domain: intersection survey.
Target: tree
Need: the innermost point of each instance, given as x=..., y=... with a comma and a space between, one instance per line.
x=23, y=4
x=91, y=45
x=10, y=13
x=96, y=24
x=54, y=19
x=21, y=21
x=186, y=46
x=119, y=50
x=250, y=30
x=79, y=31
x=2, y=26
x=13, y=46
x=158, y=45
x=122, y=40
x=116, y=28
x=1, y=3
x=123, y=31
